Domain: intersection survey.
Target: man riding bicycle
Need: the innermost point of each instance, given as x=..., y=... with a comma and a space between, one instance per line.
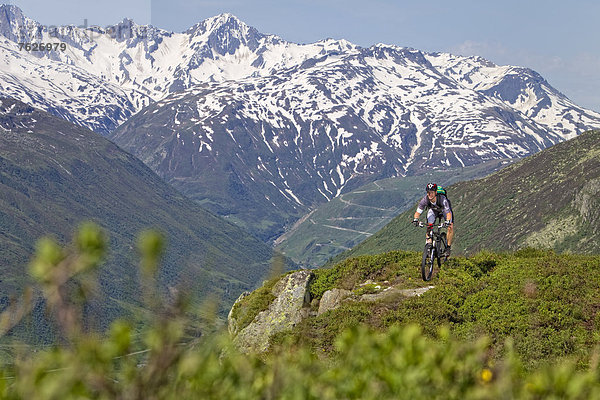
x=439, y=206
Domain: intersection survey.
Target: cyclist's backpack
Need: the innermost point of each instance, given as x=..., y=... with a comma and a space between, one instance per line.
x=441, y=190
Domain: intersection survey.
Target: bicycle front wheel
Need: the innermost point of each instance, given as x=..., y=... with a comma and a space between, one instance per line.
x=441, y=249
x=427, y=263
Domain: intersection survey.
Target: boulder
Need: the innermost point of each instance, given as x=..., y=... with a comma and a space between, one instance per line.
x=291, y=305
x=332, y=299
x=394, y=291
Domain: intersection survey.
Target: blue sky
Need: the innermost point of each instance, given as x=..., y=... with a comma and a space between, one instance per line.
x=558, y=39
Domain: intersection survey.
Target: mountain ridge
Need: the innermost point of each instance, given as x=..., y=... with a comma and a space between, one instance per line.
x=219, y=48
x=541, y=301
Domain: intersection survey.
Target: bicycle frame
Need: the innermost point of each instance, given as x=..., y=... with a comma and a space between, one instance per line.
x=435, y=235
x=432, y=250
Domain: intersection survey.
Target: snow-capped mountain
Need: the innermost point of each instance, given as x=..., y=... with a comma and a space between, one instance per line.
x=127, y=66
x=247, y=122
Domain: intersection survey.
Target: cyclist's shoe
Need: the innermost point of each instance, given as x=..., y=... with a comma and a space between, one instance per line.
x=447, y=252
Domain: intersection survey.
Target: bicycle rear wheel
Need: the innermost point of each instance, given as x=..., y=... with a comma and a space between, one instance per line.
x=427, y=263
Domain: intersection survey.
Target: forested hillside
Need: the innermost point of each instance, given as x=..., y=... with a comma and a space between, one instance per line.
x=55, y=175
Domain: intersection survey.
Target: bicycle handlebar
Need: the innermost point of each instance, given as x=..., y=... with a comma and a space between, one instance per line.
x=422, y=225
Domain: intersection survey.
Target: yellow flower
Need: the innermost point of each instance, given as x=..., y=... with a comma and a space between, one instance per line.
x=486, y=375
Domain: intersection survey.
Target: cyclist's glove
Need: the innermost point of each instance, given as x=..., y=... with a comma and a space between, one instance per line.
x=416, y=222
x=447, y=223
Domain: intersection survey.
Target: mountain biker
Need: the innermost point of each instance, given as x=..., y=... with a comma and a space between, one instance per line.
x=439, y=206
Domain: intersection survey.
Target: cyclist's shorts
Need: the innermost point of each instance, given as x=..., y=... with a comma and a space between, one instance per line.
x=432, y=215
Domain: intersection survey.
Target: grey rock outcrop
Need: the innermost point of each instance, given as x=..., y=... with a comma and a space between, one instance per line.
x=332, y=299
x=291, y=305
x=392, y=291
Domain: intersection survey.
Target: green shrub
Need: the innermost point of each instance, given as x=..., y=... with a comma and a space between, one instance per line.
x=482, y=263
x=369, y=288
x=531, y=252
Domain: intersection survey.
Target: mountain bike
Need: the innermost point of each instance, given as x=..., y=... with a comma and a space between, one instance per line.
x=434, y=250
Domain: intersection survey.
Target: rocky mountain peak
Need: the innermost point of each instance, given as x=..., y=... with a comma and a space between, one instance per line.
x=15, y=26
x=126, y=29
x=224, y=34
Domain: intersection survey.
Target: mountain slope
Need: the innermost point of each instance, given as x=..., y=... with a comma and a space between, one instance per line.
x=546, y=200
x=303, y=136
x=350, y=218
x=53, y=175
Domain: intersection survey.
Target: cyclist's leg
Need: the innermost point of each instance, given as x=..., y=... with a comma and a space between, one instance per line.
x=451, y=229
x=431, y=216
x=430, y=220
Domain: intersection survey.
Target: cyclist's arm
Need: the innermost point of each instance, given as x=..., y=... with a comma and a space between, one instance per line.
x=447, y=209
x=420, y=207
